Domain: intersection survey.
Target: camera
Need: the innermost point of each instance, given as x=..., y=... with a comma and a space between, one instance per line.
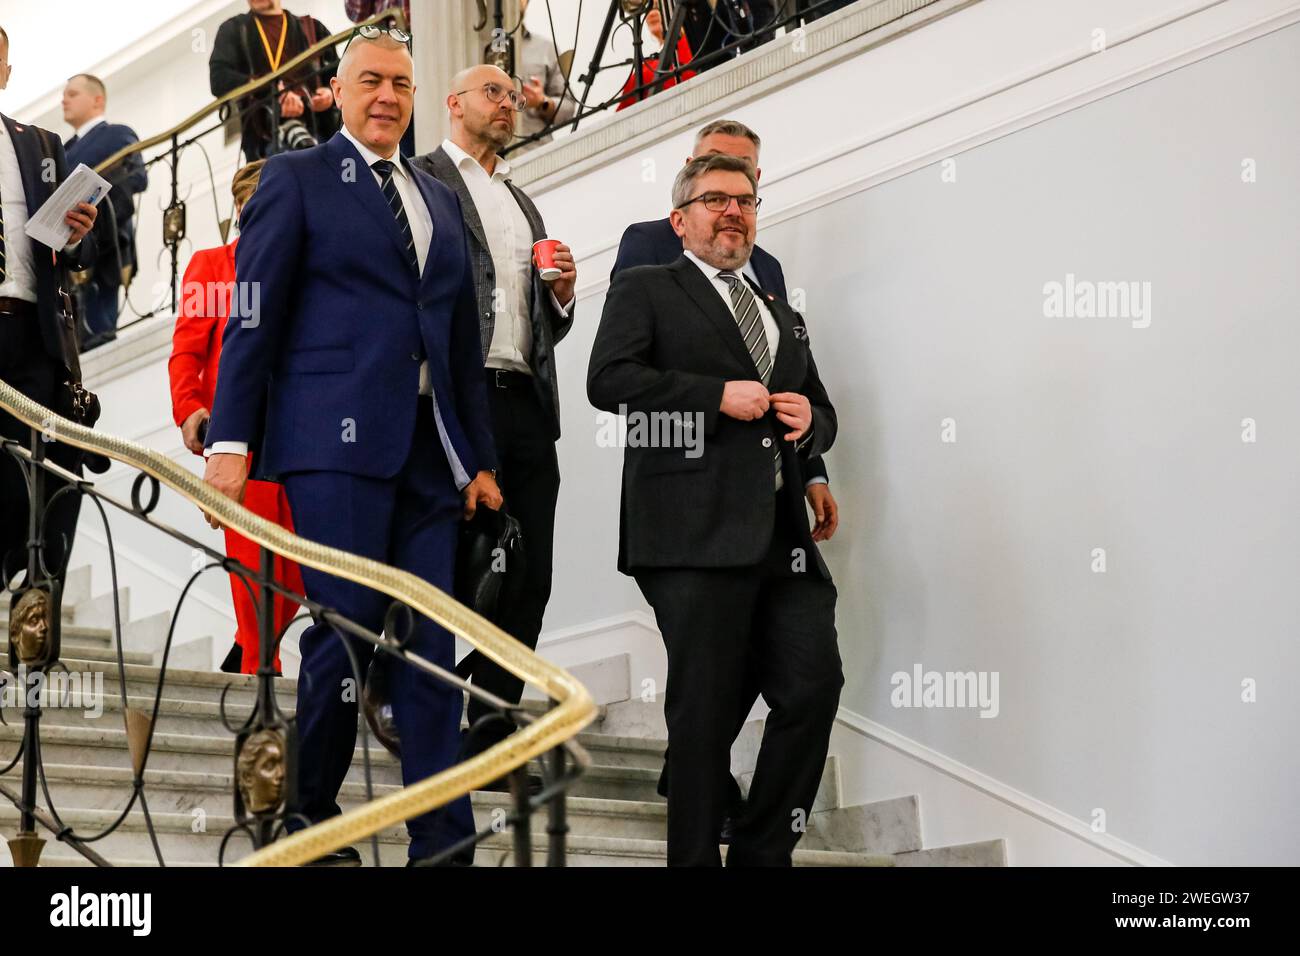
x=295, y=135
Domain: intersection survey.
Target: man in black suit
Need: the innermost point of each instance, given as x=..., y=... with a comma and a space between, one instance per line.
x=33, y=340
x=521, y=319
x=94, y=140
x=714, y=530
x=657, y=243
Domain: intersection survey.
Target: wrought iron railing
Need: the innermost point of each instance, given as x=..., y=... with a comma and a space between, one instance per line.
x=254, y=101
x=549, y=736
x=729, y=32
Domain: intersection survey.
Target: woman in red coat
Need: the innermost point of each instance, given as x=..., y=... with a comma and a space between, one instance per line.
x=192, y=368
x=654, y=22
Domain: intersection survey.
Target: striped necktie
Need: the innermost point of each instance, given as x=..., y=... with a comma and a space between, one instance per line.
x=384, y=168
x=750, y=322
x=2, y=238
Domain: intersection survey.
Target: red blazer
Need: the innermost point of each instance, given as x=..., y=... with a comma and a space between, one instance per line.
x=196, y=340
x=648, y=67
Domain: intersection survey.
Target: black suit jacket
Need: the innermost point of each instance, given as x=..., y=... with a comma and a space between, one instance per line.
x=655, y=244
x=549, y=325
x=668, y=343
x=50, y=266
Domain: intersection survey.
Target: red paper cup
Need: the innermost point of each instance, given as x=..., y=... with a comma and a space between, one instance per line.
x=544, y=256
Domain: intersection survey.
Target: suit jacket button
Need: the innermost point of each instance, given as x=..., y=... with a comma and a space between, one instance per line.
x=767, y=443
x=415, y=357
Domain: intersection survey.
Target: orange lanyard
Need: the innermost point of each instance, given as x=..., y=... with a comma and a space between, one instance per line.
x=274, y=59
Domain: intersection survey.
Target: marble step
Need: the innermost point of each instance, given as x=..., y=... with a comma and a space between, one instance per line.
x=982, y=853
x=497, y=851
x=94, y=747
x=76, y=634
x=614, y=774
x=204, y=685
x=885, y=826
x=181, y=846
x=189, y=718
x=106, y=788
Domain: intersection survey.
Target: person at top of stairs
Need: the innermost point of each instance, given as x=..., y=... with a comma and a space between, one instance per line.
x=206, y=292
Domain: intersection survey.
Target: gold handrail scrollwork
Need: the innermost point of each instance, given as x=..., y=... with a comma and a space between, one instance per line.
x=574, y=709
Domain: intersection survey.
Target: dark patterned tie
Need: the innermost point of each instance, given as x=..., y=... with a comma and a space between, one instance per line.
x=2, y=237
x=385, y=170
x=750, y=322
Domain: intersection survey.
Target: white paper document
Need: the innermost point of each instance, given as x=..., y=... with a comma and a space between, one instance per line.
x=82, y=185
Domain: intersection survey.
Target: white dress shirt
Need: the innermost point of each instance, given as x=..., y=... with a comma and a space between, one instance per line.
x=20, y=264
x=510, y=243
x=81, y=131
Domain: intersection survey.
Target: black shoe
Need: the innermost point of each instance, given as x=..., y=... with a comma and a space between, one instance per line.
x=502, y=785
x=234, y=661
x=347, y=856
x=460, y=859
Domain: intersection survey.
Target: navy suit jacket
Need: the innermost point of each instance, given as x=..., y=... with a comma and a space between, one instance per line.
x=49, y=266
x=655, y=244
x=127, y=177
x=321, y=355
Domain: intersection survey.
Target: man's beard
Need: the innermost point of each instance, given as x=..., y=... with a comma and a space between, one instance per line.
x=729, y=258
x=499, y=136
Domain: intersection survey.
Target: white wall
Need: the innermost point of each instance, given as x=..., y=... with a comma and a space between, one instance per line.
x=1121, y=690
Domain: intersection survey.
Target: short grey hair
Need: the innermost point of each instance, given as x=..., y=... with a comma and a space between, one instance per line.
x=383, y=40
x=714, y=162
x=729, y=127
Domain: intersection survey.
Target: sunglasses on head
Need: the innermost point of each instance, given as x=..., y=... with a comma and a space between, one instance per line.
x=374, y=32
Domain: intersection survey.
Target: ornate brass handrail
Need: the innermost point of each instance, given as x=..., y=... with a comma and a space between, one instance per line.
x=252, y=86
x=575, y=708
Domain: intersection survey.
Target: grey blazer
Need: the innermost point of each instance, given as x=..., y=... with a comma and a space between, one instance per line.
x=548, y=323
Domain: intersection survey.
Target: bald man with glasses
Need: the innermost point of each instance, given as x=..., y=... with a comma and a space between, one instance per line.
x=521, y=319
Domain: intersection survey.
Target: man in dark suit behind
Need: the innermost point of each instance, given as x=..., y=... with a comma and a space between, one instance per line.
x=657, y=243
x=356, y=376
x=94, y=140
x=716, y=535
x=33, y=345
x=521, y=319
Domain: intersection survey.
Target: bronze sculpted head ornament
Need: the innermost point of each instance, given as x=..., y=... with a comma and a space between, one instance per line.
x=261, y=771
x=29, y=627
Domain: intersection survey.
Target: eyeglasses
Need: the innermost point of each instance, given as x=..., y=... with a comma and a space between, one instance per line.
x=721, y=202
x=373, y=31
x=495, y=93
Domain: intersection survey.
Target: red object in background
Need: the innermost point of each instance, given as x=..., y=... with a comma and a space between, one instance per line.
x=648, y=67
x=196, y=349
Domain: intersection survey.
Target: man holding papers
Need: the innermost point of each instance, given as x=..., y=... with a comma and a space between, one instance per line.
x=32, y=358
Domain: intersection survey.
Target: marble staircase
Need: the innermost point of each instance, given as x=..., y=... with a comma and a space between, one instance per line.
x=615, y=815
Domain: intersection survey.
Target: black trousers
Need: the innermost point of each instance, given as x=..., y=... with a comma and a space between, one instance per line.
x=528, y=473
x=724, y=628
x=27, y=367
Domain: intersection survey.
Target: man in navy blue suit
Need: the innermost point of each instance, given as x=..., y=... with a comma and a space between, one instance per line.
x=351, y=367
x=656, y=243
x=94, y=140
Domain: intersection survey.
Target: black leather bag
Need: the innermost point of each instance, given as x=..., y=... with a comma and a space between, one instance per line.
x=489, y=572
x=76, y=402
